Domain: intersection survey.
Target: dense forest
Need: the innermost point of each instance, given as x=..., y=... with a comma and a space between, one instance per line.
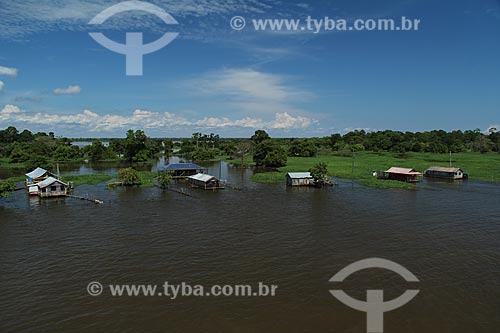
x=43, y=149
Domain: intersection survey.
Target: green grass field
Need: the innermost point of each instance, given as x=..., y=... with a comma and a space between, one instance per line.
x=478, y=166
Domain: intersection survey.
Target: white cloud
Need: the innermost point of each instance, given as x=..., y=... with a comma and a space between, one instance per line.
x=247, y=91
x=1, y=86
x=8, y=71
x=366, y=129
x=70, y=90
x=143, y=119
x=21, y=18
x=286, y=121
x=495, y=128
x=9, y=109
x=281, y=121
x=9, y=112
x=247, y=85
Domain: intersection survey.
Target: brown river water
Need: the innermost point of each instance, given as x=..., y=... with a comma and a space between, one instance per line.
x=446, y=234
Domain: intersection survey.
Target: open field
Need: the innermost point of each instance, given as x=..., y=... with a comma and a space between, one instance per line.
x=479, y=166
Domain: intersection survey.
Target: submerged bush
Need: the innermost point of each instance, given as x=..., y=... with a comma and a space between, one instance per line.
x=129, y=177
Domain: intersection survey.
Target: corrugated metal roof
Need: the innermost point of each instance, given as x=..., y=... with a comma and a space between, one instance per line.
x=181, y=166
x=403, y=171
x=38, y=172
x=444, y=169
x=202, y=177
x=49, y=181
x=297, y=175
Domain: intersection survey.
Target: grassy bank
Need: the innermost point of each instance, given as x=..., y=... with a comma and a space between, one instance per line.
x=148, y=179
x=6, y=163
x=479, y=166
x=248, y=161
x=93, y=179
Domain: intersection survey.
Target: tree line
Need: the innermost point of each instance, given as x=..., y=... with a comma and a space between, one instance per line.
x=44, y=149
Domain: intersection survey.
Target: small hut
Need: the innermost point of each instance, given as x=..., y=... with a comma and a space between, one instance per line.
x=402, y=174
x=445, y=172
x=182, y=170
x=204, y=181
x=38, y=175
x=52, y=187
x=299, y=179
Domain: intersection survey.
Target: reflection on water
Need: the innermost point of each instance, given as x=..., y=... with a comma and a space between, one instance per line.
x=445, y=233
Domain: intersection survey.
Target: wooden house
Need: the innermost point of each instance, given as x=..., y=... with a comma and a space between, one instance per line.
x=204, y=181
x=299, y=179
x=182, y=170
x=52, y=187
x=445, y=172
x=402, y=174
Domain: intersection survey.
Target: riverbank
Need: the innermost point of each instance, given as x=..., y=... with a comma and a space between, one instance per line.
x=484, y=167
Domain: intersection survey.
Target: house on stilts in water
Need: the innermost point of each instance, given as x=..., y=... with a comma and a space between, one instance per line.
x=299, y=179
x=182, y=170
x=445, y=172
x=204, y=181
x=52, y=187
x=402, y=174
x=36, y=176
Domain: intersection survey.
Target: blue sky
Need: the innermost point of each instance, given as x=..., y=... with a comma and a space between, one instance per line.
x=446, y=75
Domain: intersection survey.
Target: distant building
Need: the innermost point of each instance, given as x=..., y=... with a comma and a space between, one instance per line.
x=299, y=179
x=402, y=174
x=182, y=170
x=38, y=175
x=205, y=181
x=52, y=187
x=445, y=172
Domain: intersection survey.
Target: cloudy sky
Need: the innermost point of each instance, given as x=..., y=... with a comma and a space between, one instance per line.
x=211, y=78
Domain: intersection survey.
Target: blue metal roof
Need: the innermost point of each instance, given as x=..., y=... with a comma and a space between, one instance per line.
x=181, y=166
x=38, y=172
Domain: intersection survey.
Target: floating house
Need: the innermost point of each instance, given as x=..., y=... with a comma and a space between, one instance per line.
x=38, y=175
x=445, y=172
x=299, y=179
x=52, y=187
x=204, y=181
x=182, y=170
x=402, y=174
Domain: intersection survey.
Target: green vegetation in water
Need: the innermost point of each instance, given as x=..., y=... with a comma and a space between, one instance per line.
x=269, y=177
x=16, y=179
x=248, y=161
x=6, y=188
x=93, y=179
x=5, y=162
x=147, y=178
x=381, y=183
x=133, y=178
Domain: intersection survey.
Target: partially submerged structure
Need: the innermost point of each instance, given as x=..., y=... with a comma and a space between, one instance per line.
x=204, y=181
x=182, y=170
x=52, y=187
x=445, y=172
x=402, y=174
x=299, y=179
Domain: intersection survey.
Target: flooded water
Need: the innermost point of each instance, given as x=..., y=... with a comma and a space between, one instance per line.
x=447, y=234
